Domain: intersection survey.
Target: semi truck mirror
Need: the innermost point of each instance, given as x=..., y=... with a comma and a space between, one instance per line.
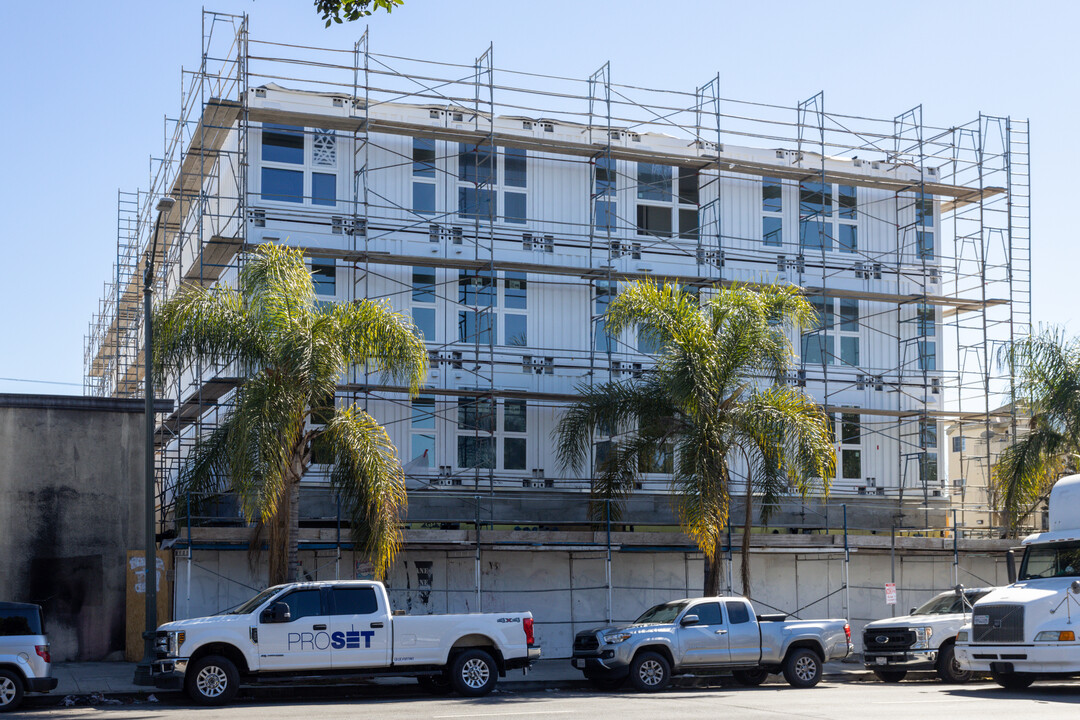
x=689, y=620
x=1010, y=566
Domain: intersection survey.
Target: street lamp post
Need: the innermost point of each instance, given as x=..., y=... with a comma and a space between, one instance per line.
x=143, y=669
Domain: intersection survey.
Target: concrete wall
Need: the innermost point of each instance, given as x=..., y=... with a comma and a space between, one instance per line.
x=566, y=589
x=70, y=509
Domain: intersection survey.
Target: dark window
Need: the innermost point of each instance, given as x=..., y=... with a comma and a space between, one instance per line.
x=514, y=205
x=849, y=314
x=476, y=452
x=688, y=224
x=605, y=176
x=604, y=295
x=772, y=231
x=20, y=621
x=824, y=309
x=849, y=351
x=303, y=603
x=282, y=185
x=924, y=210
x=654, y=182
x=283, y=143
x=324, y=277
x=708, y=614
x=514, y=416
x=423, y=198
x=926, y=244
x=771, y=195
x=423, y=156
x=849, y=239
x=927, y=355
x=925, y=320
x=688, y=186
x=514, y=164
x=423, y=285
x=737, y=612
x=473, y=203
x=813, y=235
x=958, y=444
x=928, y=433
x=514, y=453
x=849, y=428
x=815, y=199
x=818, y=348
x=476, y=164
x=355, y=601
x=476, y=414
x=653, y=220
x=323, y=189
x=847, y=200
x=477, y=327
x=517, y=330
x=928, y=469
x=424, y=319
x=515, y=290
x=605, y=450
x=605, y=216
x=661, y=461
x=852, y=464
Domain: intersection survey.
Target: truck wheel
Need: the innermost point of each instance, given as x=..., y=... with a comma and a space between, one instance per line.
x=11, y=691
x=802, y=668
x=891, y=676
x=750, y=678
x=435, y=684
x=948, y=669
x=212, y=680
x=650, y=672
x=1013, y=680
x=473, y=673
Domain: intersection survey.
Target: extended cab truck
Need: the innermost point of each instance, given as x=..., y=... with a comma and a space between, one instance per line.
x=923, y=640
x=713, y=633
x=24, y=654
x=346, y=628
x=1031, y=628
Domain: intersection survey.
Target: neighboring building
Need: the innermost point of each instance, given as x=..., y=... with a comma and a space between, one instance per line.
x=505, y=233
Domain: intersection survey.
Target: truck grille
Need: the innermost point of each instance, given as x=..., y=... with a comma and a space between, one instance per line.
x=998, y=624
x=887, y=640
x=586, y=643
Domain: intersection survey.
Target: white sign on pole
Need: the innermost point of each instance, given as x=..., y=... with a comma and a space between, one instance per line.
x=890, y=593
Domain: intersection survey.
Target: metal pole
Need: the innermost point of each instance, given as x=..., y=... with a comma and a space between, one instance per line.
x=476, y=526
x=607, y=511
x=337, y=561
x=955, y=552
x=847, y=568
x=892, y=561
x=187, y=599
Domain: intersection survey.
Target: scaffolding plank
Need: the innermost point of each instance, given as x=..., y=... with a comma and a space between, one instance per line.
x=212, y=259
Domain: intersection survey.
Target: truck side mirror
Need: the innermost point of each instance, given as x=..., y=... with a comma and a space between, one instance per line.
x=689, y=620
x=912, y=611
x=1075, y=587
x=1010, y=565
x=276, y=613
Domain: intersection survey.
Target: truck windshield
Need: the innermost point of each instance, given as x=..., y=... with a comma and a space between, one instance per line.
x=1060, y=559
x=947, y=604
x=254, y=602
x=659, y=614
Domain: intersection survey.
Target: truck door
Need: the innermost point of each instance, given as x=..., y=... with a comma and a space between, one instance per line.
x=744, y=641
x=705, y=643
x=359, y=628
x=303, y=641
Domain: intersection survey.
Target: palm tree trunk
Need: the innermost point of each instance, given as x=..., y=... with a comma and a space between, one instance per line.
x=294, y=527
x=748, y=518
x=712, y=572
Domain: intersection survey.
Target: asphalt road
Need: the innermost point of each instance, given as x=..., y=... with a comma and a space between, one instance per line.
x=842, y=701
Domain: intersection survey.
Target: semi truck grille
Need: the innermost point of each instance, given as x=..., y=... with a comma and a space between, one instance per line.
x=998, y=624
x=887, y=640
x=585, y=643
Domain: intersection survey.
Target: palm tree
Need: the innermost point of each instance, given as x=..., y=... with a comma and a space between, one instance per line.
x=1046, y=366
x=291, y=351
x=717, y=398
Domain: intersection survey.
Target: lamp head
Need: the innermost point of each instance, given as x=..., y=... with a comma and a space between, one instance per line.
x=165, y=203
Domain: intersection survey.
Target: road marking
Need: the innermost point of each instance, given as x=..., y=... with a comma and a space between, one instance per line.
x=506, y=714
x=917, y=702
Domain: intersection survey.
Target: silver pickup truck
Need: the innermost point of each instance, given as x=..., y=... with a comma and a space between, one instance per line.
x=709, y=634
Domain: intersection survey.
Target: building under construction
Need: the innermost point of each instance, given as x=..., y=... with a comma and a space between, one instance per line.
x=504, y=209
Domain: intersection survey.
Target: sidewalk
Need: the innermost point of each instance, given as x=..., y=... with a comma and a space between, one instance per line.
x=116, y=678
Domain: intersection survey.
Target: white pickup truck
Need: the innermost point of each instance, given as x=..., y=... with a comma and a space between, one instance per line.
x=340, y=628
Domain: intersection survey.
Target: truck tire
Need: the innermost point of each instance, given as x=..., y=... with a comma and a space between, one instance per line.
x=473, y=673
x=802, y=668
x=1013, y=680
x=948, y=669
x=650, y=672
x=750, y=678
x=212, y=680
x=890, y=676
x=11, y=691
x=435, y=684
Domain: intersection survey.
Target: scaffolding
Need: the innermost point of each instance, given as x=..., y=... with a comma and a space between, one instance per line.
x=963, y=267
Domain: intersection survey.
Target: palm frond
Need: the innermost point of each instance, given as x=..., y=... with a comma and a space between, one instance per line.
x=371, y=332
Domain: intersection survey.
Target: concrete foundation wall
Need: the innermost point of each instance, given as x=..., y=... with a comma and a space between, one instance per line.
x=567, y=591
x=70, y=509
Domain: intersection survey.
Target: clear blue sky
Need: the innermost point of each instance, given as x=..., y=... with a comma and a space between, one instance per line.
x=86, y=87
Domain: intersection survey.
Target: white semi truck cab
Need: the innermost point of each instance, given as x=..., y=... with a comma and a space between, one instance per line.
x=1031, y=628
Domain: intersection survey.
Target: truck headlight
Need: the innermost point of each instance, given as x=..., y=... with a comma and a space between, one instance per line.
x=169, y=643
x=922, y=638
x=1056, y=636
x=614, y=638
x=962, y=636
